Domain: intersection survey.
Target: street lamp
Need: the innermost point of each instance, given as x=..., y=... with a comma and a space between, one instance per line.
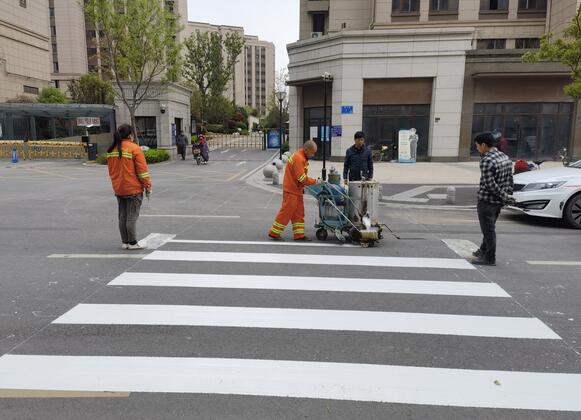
x=326, y=78
x=281, y=96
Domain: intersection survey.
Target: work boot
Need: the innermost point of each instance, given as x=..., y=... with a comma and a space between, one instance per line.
x=304, y=239
x=276, y=238
x=477, y=253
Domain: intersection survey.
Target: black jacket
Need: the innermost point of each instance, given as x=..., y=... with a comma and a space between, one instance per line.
x=358, y=163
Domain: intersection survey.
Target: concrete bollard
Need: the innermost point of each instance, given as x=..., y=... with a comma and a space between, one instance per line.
x=275, y=178
x=268, y=171
x=451, y=195
x=278, y=163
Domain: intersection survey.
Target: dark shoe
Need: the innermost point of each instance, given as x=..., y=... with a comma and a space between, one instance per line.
x=304, y=239
x=477, y=253
x=482, y=261
x=276, y=238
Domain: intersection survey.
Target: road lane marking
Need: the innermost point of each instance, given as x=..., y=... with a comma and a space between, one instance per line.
x=563, y=263
x=308, y=319
x=330, y=284
x=296, y=379
x=225, y=151
x=448, y=263
x=237, y=174
x=269, y=243
x=156, y=240
x=240, y=163
x=191, y=216
x=31, y=393
x=462, y=247
x=97, y=256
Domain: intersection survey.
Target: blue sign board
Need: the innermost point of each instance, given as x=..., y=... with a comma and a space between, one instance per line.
x=347, y=109
x=273, y=141
x=337, y=131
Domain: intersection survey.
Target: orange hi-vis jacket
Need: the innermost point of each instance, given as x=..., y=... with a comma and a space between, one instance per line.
x=296, y=174
x=129, y=174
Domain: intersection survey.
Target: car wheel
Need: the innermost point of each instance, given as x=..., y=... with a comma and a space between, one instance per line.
x=572, y=213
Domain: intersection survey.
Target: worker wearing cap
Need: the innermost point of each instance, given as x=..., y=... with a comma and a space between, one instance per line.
x=293, y=208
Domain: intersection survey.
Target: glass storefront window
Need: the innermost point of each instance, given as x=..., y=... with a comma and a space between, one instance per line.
x=533, y=131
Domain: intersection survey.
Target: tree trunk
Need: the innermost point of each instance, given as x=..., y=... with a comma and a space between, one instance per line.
x=571, y=151
x=133, y=126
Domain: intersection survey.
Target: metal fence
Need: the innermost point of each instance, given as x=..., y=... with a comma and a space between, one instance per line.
x=35, y=150
x=255, y=140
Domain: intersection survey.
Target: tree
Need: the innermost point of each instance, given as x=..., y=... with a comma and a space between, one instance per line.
x=90, y=89
x=51, y=95
x=272, y=119
x=219, y=109
x=566, y=50
x=209, y=63
x=137, y=46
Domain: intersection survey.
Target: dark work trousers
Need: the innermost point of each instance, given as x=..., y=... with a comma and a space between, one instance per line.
x=128, y=214
x=182, y=150
x=487, y=215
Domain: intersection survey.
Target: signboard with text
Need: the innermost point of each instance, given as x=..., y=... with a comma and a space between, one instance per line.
x=347, y=109
x=273, y=139
x=88, y=121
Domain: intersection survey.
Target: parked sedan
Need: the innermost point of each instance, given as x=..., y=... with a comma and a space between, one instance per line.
x=552, y=193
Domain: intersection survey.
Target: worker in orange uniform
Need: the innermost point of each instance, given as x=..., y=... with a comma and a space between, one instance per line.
x=129, y=177
x=293, y=208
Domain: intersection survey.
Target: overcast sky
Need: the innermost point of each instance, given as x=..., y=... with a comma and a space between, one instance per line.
x=276, y=21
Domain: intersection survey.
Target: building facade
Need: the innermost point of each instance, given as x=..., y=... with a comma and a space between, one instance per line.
x=252, y=82
x=448, y=68
x=24, y=48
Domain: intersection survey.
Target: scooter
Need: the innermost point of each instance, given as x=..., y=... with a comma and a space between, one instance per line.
x=197, y=155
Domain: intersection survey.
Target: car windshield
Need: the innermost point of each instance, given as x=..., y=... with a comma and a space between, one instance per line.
x=576, y=165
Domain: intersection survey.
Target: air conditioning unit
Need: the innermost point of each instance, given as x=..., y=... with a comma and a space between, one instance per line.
x=316, y=34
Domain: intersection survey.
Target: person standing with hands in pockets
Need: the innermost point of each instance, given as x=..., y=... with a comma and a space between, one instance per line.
x=129, y=178
x=358, y=161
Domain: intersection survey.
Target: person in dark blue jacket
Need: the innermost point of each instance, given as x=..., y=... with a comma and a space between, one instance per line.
x=358, y=162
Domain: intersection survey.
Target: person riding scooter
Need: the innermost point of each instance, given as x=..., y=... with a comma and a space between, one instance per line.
x=202, y=147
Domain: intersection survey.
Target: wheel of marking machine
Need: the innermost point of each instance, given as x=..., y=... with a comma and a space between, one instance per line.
x=321, y=234
x=355, y=235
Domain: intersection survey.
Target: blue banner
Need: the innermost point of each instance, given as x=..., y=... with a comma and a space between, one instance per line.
x=273, y=140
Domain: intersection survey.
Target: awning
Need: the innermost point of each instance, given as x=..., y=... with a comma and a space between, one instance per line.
x=308, y=81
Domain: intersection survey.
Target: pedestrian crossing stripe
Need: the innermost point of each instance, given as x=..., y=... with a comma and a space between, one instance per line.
x=331, y=260
x=308, y=319
x=266, y=243
x=329, y=284
x=295, y=379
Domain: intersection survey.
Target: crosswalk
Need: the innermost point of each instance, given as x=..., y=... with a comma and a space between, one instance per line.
x=303, y=322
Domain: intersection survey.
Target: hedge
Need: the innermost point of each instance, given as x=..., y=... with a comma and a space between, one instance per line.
x=151, y=156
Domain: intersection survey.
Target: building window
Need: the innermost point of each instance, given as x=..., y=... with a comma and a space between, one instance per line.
x=533, y=5
x=92, y=52
x=57, y=84
x=23, y=3
x=493, y=4
x=51, y=11
x=533, y=130
x=491, y=44
x=443, y=5
x=55, y=67
x=91, y=34
x=528, y=43
x=319, y=22
x=405, y=6
x=31, y=89
x=53, y=30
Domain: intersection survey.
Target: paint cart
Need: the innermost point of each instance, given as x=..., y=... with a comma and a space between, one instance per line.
x=349, y=214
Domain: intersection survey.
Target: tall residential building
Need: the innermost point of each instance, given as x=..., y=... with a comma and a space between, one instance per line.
x=252, y=83
x=24, y=48
x=449, y=68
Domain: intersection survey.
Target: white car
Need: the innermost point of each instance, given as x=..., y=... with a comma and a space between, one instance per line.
x=552, y=193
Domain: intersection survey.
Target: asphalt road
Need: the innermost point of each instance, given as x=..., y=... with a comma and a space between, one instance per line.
x=334, y=345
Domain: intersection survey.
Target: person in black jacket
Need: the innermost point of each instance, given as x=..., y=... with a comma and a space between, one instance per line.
x=358, y=162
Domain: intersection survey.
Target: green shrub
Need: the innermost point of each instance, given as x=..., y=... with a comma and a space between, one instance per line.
x=102, y=159
x=244, y=133
x=215, y=128
x=156, y=155
x=151, y=156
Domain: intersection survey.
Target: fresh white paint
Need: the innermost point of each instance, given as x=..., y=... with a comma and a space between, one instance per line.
x=563, y=263
x=365, y=261
x=329, y=284
x=191, y=216
x=240, y=163
x=295, y=379
x=225, y=151
x=308, y=319
x=156, y=240
x=128, y=255
x=269, y=243
x=462, y=247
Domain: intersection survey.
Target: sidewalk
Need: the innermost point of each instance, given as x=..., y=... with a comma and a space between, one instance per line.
x=422, y=173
